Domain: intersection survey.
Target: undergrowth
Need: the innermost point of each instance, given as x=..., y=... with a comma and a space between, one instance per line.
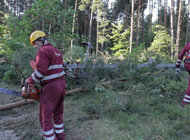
x=145, y=102
x=142, y=103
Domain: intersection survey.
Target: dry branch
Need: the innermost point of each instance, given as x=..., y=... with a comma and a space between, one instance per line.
x=30, y=101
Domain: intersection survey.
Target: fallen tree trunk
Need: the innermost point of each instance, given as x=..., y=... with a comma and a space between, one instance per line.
x=74, y=90
x=30, y=101
x=16, y=104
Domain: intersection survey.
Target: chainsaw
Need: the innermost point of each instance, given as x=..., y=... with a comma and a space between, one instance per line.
x=28, y=91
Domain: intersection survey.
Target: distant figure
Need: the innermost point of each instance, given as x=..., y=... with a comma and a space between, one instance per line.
x=185, y=52
x=49, y=72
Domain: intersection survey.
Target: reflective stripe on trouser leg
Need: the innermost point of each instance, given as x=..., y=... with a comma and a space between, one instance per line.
x=49, y=135
x=59, y=128
x=187, y=94
x=58, y=114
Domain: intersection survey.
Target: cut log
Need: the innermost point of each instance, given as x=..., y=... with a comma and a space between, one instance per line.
x=16, y=104
x=74, y=90
x=30, y=101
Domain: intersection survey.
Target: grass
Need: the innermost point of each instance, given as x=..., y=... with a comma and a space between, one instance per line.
x=139, y=108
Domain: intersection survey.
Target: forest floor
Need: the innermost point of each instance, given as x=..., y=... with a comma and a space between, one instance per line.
x=22, y=123
x=150, y=111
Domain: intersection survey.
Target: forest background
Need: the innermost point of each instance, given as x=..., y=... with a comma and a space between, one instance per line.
x=119, y=30
x=145, y=104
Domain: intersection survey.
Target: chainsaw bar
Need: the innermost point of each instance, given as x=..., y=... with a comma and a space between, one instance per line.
x=8, y=91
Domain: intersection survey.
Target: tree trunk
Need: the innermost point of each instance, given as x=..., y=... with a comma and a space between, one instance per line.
x=188, y=24
x=178, y=28
x=126, y=19
x=176, y=20
x=165, y=13
x=132, y=22
x=90, y=26
x=142, y=20
x=97, y=30
x=27, y=5
x=73, y=26
x=160, y=13
x=172, y=29
x=65, y=7
x=138, y=22
x=50, y=25
x=150, y=21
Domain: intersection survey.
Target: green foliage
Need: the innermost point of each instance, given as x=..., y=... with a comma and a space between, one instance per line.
x=11, y=76
x=43, y=15
x=2, y=30
x=40, y=14
x=161, y=44
x=96, y=72
x=148, y=97
x=83, y=4
x=20, y=56
x=120, y=39
x=137, y=55
x=76, y=54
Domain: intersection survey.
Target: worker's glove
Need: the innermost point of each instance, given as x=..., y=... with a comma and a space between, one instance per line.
x=178, y=70
x=24, y=88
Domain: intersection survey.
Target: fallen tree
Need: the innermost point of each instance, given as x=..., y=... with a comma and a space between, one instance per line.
x=30, y=101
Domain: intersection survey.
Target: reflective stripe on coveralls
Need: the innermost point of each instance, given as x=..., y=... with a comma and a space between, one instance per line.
x=55, y=67
x=59, y=128
x=49, y=77
x=49, y=135
x=178, y=62
x=186, y=98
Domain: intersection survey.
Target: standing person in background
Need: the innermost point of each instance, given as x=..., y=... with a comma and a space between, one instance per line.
x=49, y=72
x=185, y=52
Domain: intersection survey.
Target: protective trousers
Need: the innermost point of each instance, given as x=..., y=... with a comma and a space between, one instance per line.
x=186, y=98
x=51, y=109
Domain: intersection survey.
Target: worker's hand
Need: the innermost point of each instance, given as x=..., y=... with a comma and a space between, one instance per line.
x=178, y=70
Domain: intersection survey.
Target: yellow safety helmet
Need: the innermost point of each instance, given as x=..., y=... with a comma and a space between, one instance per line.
x=35, y=35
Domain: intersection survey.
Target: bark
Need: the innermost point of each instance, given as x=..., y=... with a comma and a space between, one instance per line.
x=105, y=17
x=138, y=22
x=97, y=30
x=178, y=28
x=126, y=19
x=7, y=5
x=73, y=26
x=65, y=7
x=50, y=25
x=150, y=14
x=27, y=5
x=188, y=24
x=176, y=19
x=165, y=13
x=150, y=21
x=90, y=26
x=142, y=20
x=132, y=24
x=159, y=13
x=172, y=28
x=16, y=104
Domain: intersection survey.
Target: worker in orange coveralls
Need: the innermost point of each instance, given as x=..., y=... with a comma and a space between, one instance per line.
x=185, y=52
x=49, y=72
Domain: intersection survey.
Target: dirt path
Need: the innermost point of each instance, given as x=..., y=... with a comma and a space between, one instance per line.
x=22, y=123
